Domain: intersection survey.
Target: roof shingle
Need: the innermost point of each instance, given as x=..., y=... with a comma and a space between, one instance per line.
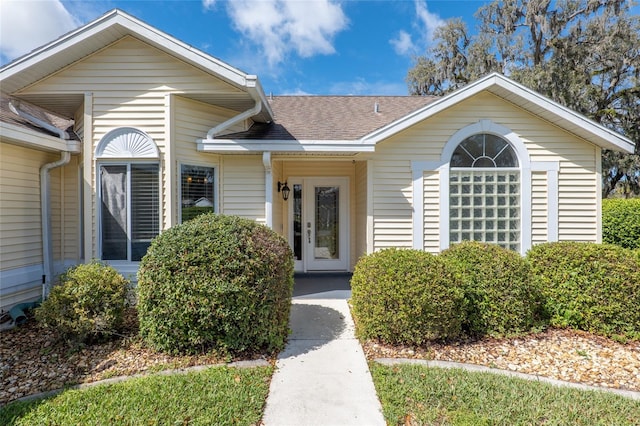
x=331, y=117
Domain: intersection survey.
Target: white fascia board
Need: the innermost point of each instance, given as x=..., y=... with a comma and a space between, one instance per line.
x=134, y=27
x=604, y=137
x=243, y=145
x=36, y=140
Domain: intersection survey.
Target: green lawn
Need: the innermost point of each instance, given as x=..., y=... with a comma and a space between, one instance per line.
x=413, y=394
x=219, y=395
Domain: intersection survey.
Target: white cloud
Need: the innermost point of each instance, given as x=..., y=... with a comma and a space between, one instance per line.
x=403, y=44
x=209, y=4
x=280, y=27
x=361, y=86
x=26, y=25
x=424, y=27
x=430, y=21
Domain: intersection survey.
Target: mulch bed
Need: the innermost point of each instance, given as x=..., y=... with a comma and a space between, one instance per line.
x=33, y=361
x=562, y=354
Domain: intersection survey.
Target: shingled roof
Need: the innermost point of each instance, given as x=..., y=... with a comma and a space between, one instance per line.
x=330, y=117
x=7, y=116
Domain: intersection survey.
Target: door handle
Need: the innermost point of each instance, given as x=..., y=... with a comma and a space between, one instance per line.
x=309, y=235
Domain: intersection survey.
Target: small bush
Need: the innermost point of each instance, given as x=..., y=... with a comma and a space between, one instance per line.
x=406, y=296
x=216, y=282
x=591, y=287
x=87, y=304
x=500, y=297
x=621, y=222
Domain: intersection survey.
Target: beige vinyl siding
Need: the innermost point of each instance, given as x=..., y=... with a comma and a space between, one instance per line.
x=242, y=186
x=431, y=201
x=129, y=82
x=424, y=142
x=71, y=222
x=20, y=223
x=540, y=208
x=578, y=209
x=361, y=208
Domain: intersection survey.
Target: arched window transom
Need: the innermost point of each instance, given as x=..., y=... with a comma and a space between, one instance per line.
x=484, y=150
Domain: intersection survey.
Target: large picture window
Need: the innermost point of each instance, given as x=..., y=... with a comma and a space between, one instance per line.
x=130, y=209
x=197, y=191
x=485, y=192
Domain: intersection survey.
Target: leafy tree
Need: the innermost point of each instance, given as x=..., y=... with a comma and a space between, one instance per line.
x=584, y=54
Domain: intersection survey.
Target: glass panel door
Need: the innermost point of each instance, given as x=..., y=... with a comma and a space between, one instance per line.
x=325, y=224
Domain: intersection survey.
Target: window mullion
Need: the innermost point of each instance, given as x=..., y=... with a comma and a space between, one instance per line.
x=128, y=206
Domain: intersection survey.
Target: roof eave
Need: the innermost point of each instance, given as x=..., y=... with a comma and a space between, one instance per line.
x=28, y=138
x=229, y=146
x=597, y=133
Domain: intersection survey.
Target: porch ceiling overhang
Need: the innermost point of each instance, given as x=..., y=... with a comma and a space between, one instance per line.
x=102, y=32
x=19, y=135
x=329, y=147
x=521, y=97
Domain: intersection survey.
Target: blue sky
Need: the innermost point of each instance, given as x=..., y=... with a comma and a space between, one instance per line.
x=294, y=46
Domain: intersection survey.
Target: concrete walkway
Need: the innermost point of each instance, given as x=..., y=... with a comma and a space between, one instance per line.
x=322, y=376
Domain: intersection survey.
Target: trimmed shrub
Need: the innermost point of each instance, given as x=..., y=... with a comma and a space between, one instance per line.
x=88, y=303
x=591, y=287
x=405, y=296
x=621, y=222
x=216, y=282
x=500, y=296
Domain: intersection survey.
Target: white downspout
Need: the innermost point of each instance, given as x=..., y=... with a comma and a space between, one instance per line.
x=257, y=107
x=47, y=251
x=45, y=210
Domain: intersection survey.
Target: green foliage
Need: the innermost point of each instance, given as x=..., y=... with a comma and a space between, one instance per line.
x=580, y=53
x=500, y=296
x=592, y=287
x=621, y=222
x=87, y=304
x=216, y=396
x=189, y=213
x=216, y=282
x=420, y=395
x=406, y=296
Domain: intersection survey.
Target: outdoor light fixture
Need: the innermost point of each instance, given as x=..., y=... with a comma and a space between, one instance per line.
x=284, y=188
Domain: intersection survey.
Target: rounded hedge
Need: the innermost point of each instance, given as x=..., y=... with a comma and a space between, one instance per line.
x=621, y=222
x=216, y=282
x=405, y=296
x=87, y=304
x=592, y=287
x=501, y=299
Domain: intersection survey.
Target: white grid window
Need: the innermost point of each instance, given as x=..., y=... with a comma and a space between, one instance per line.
x=484, y=194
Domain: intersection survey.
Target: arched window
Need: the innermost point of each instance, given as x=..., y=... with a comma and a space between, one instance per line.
x=485, y=192
x=129, y=193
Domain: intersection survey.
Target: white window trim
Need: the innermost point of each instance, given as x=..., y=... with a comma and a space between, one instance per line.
x=124, y=146
x=526, y=166
x=216, y=184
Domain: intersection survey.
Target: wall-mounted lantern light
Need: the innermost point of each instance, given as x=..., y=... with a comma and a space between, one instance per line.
x=284, y=188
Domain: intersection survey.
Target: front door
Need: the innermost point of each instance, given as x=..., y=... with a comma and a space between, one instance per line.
x=318, y=221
